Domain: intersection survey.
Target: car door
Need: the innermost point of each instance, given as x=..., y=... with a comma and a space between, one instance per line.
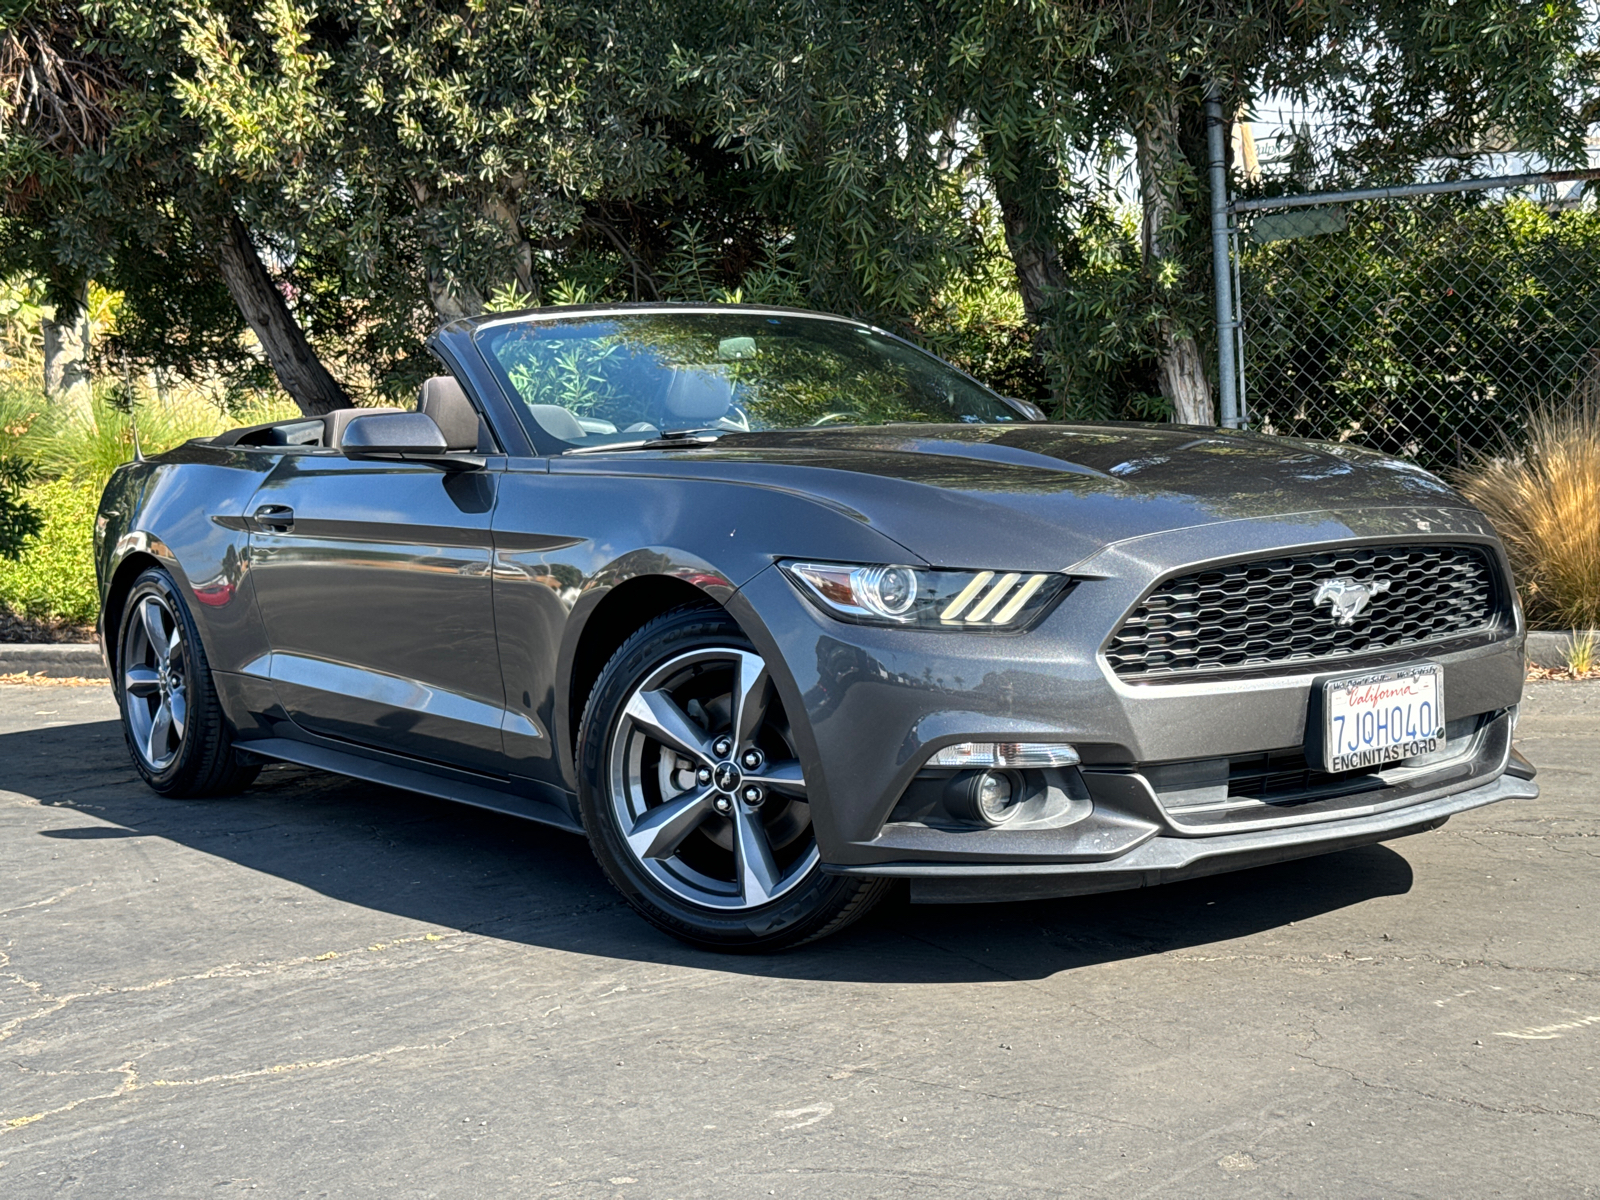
x=373, y=580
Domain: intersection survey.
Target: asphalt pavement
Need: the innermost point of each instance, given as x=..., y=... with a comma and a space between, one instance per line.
x=324, y=988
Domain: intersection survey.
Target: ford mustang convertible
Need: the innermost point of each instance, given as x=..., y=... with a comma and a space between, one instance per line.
x=776, y=609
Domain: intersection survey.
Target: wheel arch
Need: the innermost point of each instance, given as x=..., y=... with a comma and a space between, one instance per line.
x=123, y=575
x=609, y=622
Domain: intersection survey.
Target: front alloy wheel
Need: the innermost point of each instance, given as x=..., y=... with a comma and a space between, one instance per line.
x=708, y=791
x=694, y=794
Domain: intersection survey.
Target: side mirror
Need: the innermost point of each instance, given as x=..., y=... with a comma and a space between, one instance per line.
x=408, y=436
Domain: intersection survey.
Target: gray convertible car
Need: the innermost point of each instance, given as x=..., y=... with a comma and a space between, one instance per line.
x=775, y=609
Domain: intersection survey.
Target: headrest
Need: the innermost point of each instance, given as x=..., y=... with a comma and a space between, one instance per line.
x=697, y=395
x=442, y=399
x=557, y=422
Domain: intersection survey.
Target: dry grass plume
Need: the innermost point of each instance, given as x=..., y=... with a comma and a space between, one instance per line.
x=1544, y=500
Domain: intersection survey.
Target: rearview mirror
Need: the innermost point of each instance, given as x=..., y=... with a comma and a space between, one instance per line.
x=410, y=436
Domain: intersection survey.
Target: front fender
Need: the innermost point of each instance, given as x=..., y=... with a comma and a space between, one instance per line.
x=567, y=543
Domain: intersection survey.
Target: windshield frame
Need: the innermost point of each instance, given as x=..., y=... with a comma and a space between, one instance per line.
x=546, y=444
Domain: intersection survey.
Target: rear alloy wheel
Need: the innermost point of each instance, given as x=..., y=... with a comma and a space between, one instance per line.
x=694, y=795
x=176, y=731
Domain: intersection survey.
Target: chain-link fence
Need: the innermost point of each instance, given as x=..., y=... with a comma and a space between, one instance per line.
x=1423, y=321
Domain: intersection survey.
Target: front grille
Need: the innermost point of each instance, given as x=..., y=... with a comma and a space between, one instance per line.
x=1262, y=613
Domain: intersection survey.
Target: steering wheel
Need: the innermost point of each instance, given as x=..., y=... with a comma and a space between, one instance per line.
x=830, y=418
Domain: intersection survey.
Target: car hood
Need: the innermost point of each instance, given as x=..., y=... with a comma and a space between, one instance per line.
x=1048, y=496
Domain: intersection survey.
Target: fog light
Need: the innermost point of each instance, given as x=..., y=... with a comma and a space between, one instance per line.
x=996, y=800
x=984, y=797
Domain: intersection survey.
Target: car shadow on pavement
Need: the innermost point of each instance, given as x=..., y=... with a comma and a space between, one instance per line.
x=461, y=868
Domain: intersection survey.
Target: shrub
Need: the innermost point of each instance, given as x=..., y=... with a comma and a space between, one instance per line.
x=18, y=520
x=50, y=572
x=1580, y=654
x=1544, y=500
x=87, y=447
x=54, y=577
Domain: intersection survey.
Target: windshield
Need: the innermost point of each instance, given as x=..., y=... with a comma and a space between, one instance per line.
x=623, y=378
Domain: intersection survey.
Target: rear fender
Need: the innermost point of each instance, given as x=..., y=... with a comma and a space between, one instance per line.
x=186, y=511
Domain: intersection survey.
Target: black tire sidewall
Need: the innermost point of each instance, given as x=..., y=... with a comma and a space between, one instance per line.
x=792, y=917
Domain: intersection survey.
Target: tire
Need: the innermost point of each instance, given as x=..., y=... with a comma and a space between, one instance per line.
x=686, y=698
x=180, y=741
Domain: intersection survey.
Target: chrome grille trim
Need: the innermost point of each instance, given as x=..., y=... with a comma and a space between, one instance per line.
x=1263, y=612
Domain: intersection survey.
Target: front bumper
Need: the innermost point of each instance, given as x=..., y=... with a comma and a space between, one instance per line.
x=1171, y=859
x=869, y=704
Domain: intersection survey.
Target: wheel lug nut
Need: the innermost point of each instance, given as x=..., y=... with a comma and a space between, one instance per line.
x=752, y=795
x=703, y=774
x=751, y=759
x=722, y=804
x=723, y=747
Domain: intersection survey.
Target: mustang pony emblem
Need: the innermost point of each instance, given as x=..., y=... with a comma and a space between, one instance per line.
x=1347, y=597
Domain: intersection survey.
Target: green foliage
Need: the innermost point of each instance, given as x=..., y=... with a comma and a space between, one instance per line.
x=978, y=323
x=921, y=163
x=18, y=519
x=53, y=467
x=1106, y=324
x=21, y=314
x=577, y=374
x=1429, y=328
x=53, y=578
x=85, y=448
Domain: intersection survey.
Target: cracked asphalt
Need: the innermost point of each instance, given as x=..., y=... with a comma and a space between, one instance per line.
x=323, y=988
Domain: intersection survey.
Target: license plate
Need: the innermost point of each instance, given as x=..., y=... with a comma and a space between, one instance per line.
x=1373, y=719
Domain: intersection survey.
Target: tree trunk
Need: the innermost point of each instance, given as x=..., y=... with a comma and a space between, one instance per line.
x=455, y=298
x=452, y=300
x=1184, y=382
x=502, y=210
x=1025, y=183
x=66, y=353
x=293, y=360
x=1162, y=172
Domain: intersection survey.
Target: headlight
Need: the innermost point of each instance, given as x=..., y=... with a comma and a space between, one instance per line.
x=926, y=598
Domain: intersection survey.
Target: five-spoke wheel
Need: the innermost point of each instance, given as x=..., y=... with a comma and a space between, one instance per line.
x=706, y=785
x=694, y=794
x=177, y=733
x=155, y=681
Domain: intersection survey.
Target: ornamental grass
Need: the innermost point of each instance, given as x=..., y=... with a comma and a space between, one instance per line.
x=1544, y=500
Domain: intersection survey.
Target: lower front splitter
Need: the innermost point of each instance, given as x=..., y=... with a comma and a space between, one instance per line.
x=1171, y=859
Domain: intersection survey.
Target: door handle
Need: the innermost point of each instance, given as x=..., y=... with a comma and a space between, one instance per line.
x=273, y=518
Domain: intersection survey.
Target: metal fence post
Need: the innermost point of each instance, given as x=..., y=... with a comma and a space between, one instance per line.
x=1221, y=268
